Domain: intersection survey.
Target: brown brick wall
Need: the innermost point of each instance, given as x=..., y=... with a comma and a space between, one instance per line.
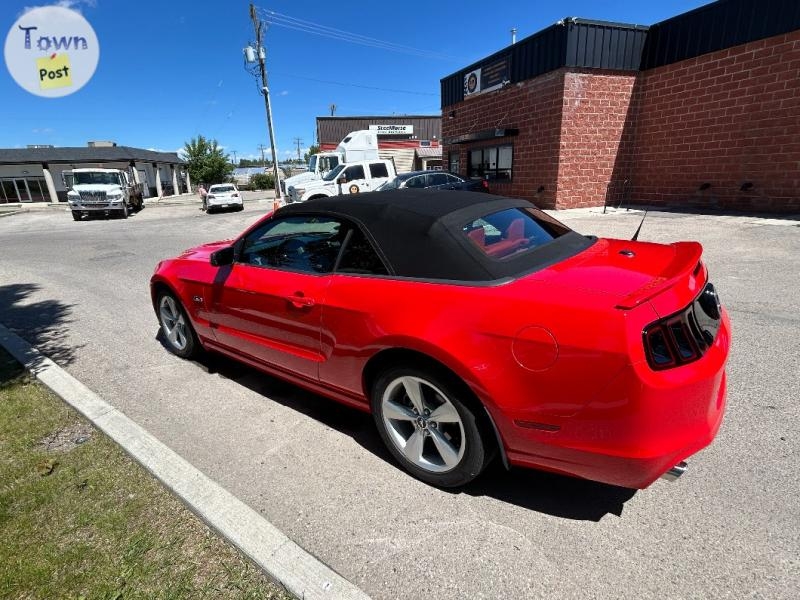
x=590, y=137
x=722, y=119
x=595, y=111
x=533, y=107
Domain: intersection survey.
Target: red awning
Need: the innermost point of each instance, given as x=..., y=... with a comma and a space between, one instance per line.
x=429, y=152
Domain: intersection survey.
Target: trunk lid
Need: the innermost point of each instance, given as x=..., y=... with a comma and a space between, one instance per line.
x=629, y=272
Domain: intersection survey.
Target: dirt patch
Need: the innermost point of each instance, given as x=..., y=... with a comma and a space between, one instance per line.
x=67, y=438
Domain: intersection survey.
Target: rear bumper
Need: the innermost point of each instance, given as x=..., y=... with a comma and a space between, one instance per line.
x=224, y=202
x=639, y=427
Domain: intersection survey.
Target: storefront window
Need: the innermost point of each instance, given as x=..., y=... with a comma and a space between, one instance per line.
x=493, y=163
x=38, y=189
x=454, y=162
x=8, y=191
x=23, y=189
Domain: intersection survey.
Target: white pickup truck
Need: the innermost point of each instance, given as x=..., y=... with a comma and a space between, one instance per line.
x=102, y=192
x=348, y=178
x=357, y=145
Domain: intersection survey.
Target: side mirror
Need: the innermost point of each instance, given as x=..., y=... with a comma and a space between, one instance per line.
x=222, y=257
x=341, y=180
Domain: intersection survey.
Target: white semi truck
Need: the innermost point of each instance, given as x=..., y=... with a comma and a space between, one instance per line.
x=107, y=192
x=358, y=145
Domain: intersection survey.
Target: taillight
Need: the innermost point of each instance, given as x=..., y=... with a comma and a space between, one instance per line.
x=659, y=354
x=484, y=184
x=683, y=337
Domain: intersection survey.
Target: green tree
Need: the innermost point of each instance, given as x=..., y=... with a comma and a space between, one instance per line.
x=249, y=162
x=262, y=181
x=313, y=149
x=206, y=162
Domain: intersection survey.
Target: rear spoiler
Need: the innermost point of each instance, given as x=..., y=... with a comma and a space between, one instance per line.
x=685, y=262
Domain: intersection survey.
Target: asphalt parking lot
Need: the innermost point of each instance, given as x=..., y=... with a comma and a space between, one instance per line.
x=730, y=528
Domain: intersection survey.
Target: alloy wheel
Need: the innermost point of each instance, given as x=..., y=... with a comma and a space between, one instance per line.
x=423, y=424
x=173, y=322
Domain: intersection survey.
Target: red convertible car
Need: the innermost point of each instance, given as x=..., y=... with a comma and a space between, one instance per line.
x=470, y=326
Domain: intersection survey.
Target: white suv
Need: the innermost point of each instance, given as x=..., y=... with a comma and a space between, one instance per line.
x=223, y=196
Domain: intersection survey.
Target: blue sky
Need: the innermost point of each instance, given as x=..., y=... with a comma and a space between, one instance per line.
x=170, y=70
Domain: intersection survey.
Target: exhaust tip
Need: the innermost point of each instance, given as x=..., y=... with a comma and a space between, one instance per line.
x=675, y=471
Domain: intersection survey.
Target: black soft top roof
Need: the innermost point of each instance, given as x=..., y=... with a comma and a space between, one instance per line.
x=420, y=232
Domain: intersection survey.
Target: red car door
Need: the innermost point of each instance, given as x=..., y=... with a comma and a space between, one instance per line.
x=267, y=305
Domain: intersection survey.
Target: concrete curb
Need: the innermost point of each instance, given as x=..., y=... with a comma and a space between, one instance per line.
x=11, y=213
x=298, y=571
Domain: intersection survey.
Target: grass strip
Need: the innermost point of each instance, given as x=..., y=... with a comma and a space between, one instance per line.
x=80, y=519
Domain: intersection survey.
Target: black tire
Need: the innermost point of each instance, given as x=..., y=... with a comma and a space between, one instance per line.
x=173, y=318
x=76, y=215
x=472, y=457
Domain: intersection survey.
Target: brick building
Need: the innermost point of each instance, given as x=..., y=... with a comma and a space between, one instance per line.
x=699, y=110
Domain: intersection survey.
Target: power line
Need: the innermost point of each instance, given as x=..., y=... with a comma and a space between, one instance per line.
x=288, y=22
x=355, y=85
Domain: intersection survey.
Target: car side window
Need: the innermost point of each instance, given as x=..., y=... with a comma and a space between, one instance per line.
x=303, y=243
x=378, y=170
x=437, y=179
x=360, y=257
x=416, y=182
x=354, y=172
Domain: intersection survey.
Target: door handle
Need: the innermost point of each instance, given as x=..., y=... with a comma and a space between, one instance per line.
x=300, y=301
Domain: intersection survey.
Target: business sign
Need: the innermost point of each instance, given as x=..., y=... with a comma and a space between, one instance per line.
x=392, y=129
x=487, y=78
x=51, y=51
x=472, y=82
x=495, y=75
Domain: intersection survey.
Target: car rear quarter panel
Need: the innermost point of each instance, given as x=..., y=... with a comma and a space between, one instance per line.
x=472, y=330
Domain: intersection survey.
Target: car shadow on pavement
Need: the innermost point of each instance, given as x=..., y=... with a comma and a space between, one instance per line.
x=42, y=323
x=548, y=493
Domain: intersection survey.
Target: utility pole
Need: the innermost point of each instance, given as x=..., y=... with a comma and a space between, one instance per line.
x=258, y=25
x=298, y=141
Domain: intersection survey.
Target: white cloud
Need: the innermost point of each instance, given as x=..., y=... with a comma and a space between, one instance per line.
x=43, y=130
x=285, y=93
x=75, y=5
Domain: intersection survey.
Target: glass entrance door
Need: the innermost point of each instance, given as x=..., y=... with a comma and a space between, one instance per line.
x=22, y=190
x=8, y=191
